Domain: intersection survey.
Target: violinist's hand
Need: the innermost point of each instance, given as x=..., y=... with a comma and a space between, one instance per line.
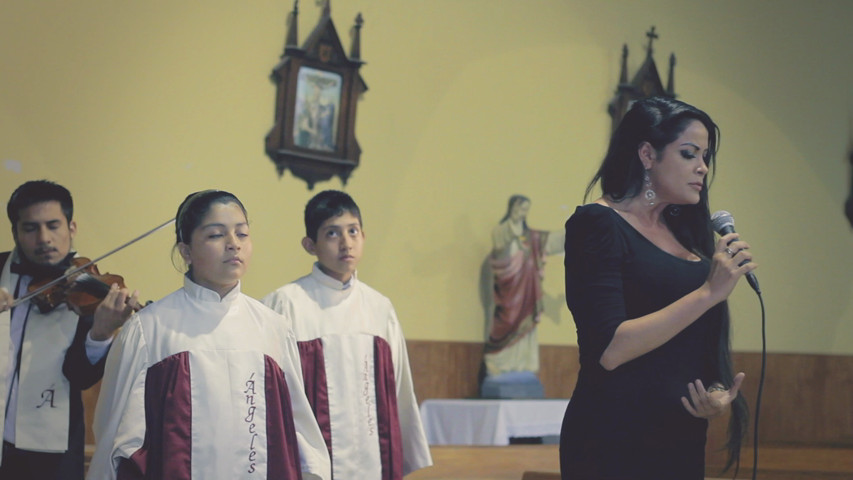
x=6, y=299
x=115, y=309
x=713, y=403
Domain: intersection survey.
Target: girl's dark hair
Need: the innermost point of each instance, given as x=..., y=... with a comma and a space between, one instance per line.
x=195, y=207
x=660, y=121
x=192, y=211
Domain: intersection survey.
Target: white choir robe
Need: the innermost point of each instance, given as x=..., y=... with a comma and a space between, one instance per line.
x=357, y=376
x=198, y=387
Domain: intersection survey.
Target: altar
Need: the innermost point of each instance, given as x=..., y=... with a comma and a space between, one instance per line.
x=490, y=421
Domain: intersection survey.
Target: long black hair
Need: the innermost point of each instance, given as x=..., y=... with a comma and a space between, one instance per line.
x=660, y=121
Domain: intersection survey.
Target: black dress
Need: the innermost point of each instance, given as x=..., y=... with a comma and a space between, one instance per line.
x=629, y=423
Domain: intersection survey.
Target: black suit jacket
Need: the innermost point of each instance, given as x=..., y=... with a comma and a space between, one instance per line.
x=82, y=375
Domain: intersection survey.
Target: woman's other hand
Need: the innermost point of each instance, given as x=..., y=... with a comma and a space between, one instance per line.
x=712, y=402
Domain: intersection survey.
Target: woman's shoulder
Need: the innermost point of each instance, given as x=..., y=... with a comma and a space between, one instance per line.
x=596, y=229
x=594, y=208
x=593, y=216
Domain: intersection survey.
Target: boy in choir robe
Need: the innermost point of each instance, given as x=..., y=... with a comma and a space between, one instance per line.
x=354, y=359
x=205, y=383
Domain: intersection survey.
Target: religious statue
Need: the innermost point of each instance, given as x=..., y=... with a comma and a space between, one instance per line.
x=517, y=262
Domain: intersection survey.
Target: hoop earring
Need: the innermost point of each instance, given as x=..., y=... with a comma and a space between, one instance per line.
x=650, y=193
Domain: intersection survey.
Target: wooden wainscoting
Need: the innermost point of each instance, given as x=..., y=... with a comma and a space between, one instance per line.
x=805, y=428
x=541, y=462
x=488, y=463
x=806, y=418
x=452, y=369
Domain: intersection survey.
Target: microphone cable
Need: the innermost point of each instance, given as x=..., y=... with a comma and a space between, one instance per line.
x=760, y=386
x=723, y=223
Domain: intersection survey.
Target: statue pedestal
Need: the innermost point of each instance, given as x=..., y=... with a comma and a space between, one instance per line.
x=512, y=385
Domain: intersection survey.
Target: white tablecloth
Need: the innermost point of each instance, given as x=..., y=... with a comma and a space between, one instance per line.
x=490, y=422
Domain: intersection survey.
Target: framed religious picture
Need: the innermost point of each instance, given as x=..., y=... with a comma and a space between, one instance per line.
x=318, y=87
x=316, y=110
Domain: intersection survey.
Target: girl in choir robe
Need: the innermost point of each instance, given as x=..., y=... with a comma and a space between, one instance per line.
x=205, y=383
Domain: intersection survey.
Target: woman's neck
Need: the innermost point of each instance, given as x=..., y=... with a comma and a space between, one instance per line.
x=636, y=208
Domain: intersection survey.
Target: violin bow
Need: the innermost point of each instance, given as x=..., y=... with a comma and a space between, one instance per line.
x=67, y=274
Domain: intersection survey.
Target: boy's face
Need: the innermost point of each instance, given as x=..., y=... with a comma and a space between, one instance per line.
x=338, y=248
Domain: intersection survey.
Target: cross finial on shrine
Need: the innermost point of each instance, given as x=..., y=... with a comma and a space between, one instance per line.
x=290, y=40
x=652, y=36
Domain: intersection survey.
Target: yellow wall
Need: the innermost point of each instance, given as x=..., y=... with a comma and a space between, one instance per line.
x=133, y=105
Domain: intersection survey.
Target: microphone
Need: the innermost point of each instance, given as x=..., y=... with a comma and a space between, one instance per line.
x=724, y=224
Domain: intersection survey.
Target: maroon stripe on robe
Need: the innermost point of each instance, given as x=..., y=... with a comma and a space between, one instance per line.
x=168, y=420
x=166, y=452
x=282, y=449
x=316, y=388
x=390, y=438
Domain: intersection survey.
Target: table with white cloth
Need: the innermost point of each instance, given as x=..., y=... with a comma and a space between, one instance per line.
x=490, y=421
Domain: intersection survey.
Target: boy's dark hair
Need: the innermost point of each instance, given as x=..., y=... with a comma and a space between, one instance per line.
x=38, y=191
x=325, y=205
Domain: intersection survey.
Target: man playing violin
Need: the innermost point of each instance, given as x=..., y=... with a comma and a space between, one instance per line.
x=47, y=358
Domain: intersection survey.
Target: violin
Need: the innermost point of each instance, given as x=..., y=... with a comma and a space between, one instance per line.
x=83, y=290
x=82, y=287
